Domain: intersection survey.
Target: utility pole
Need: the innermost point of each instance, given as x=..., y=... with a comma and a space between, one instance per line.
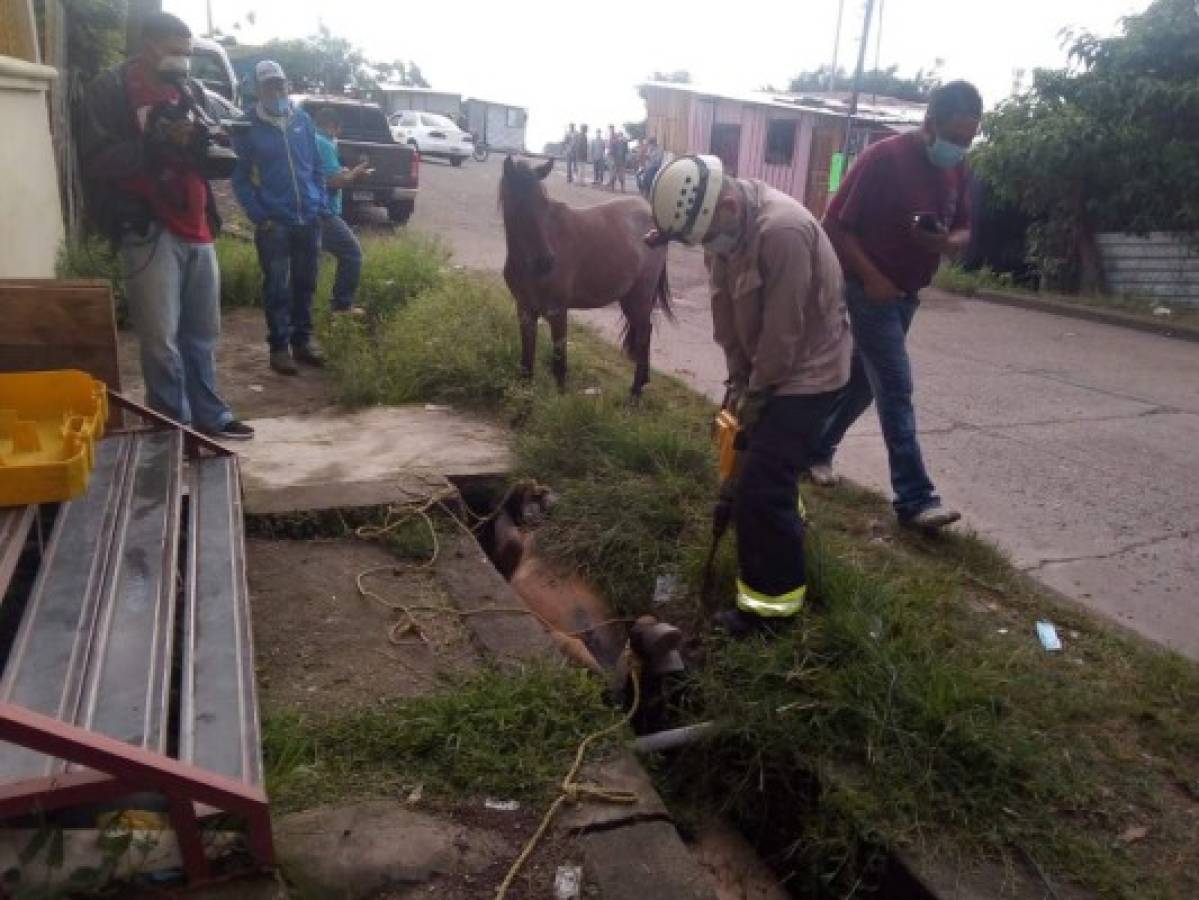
x=878, y=53
x=857, y=78
x=832, y=72
x=209, y=7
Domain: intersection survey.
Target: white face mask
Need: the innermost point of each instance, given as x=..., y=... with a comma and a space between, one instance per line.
x=722, y=244
x=174, y=64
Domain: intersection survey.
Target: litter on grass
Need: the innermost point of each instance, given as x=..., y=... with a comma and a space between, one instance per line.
x=568, y=882
x=1048, y=635
x=502, y=805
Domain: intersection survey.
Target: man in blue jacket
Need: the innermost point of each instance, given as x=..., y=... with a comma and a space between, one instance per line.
x=279, y=184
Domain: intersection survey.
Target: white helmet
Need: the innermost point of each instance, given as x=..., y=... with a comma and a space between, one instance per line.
x=684, y=196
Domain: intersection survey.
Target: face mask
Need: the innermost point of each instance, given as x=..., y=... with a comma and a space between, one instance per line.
x=945, y=154
x=276, y=106
x=722, y=244
x=174, y=65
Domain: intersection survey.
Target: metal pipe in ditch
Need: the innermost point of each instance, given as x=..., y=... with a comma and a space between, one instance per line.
x=674, y=738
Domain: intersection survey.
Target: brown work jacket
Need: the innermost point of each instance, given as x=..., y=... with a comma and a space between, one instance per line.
x=778, y=309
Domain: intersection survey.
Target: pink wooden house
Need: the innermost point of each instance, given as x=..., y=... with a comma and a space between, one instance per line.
x=786, y=140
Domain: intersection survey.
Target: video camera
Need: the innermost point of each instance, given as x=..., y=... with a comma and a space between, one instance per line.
x=209, y=147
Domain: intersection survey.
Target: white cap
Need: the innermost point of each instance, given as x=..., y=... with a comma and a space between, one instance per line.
x=268, y=70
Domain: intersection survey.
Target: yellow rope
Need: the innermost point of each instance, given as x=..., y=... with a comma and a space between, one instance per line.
x=577, y=791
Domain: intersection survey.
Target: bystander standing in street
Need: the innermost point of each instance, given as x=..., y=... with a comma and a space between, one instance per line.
x=581, y=149
x=619, y=157
x=599, y=153
x=653, y=162
x=568, y=150
x=149, y=194
x=278, y=183
x=902, y=207
x=336, y=236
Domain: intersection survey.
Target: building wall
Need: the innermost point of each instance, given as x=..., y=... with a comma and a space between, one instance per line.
x=445, y=104
x=31, y=228
x=791, y=178
x=1160, y=265
x=490, y=120
x=668, y=115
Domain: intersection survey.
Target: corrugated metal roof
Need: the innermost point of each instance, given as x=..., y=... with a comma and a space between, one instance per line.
x=887, y=111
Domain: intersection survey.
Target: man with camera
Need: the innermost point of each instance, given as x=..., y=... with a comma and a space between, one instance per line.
x=902, y=207
x=148, y=151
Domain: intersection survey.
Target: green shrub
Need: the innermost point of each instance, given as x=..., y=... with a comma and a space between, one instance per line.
x=957, y=280
x=241, y=276
x=398, y=268
x=92, y=257
x=454, y=343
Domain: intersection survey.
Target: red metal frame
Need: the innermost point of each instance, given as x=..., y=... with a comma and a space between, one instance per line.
x=119, y=768
x=195, y=443
x=113, y=769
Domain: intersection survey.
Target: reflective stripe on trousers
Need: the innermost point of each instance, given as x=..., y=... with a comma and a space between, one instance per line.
x=759, y=604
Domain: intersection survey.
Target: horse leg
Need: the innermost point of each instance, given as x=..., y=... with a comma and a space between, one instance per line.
x=640, y=326
x=557, y=320
x=528, y=342
x=641, y=354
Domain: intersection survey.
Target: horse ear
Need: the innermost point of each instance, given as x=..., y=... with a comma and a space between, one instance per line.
x=509, y=165
x=545, y=168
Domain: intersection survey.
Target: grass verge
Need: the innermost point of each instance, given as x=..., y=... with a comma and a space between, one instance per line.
x=912, y=708
x=953, y=278
x=509, y=736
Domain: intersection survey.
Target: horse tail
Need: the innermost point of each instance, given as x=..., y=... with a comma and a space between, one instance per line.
x=659, y=300
x=662, y=294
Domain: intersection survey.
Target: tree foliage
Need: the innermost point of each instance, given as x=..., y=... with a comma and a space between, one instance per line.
x=325, y=62
x=884, y=82
x=1110, y=142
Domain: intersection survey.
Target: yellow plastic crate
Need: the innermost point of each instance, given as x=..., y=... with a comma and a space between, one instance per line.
x=50, y=423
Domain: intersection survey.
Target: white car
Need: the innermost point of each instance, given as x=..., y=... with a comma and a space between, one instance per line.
x=432, y=135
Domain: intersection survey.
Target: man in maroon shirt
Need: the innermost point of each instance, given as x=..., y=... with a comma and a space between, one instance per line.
x=901, y=208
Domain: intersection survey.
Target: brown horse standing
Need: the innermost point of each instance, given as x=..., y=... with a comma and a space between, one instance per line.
x=562, y=258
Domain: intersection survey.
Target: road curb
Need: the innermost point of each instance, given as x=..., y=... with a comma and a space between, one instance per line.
x=1089, y=314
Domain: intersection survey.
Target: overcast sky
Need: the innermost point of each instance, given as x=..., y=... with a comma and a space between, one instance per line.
x=579, y=61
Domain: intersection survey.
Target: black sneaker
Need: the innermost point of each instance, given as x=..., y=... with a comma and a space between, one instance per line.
x=308, y=355
x=282, y=363
x=233, y=430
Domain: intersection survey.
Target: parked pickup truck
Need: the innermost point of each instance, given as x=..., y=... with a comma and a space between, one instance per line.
x=365, y=135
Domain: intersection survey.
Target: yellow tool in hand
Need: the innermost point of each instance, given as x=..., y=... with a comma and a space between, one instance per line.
x=725, y=430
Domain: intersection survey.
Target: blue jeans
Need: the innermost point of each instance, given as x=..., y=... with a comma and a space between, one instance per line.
x=289, y=256
x=338, y=239
x=882, y=372
x=173, y=289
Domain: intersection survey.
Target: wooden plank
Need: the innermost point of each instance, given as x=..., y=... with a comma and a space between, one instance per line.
x=52, y=324
x=18, y=30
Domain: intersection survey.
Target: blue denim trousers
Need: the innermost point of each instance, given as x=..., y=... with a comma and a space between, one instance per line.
x=173, y=291
x=338, y=239
x=882, y=372
x=289, y=257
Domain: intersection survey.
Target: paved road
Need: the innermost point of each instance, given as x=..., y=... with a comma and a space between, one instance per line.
x=1074, y=446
